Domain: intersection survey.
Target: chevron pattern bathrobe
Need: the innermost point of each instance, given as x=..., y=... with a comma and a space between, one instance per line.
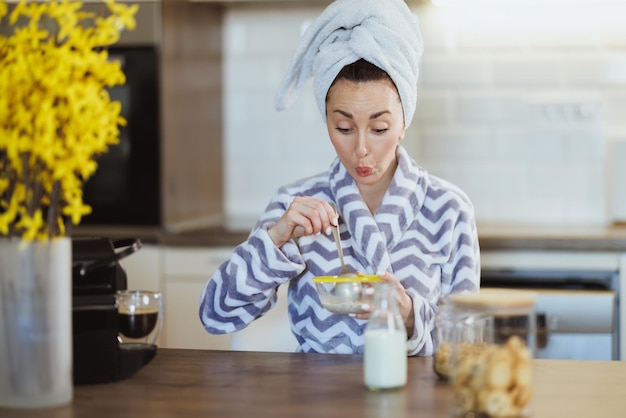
x=423, y=232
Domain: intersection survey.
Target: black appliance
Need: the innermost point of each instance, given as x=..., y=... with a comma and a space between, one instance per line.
x=125, y=189
x=97, y=275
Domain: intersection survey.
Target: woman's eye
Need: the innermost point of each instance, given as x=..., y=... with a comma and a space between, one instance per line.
x=380, y=131
x=343, y=130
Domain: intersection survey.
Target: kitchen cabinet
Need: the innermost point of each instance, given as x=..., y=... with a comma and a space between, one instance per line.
x=143, y=268
x=191, y=115
x=186, y=271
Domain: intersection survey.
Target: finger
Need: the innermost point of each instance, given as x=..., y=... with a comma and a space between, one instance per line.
x=385, y=276
x=320, y=213
x=327, y=215
x=390, y=278
x=332, y=213
x=294, y=222
x=362, y=315
x=301, y=226
x=317, y=215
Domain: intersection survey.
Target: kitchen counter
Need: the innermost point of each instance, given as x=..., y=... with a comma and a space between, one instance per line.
x=492, y=236
x=204, y=383
x=214, y=236
x=495, y=236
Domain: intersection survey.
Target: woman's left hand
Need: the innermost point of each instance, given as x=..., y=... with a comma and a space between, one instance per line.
x=405, y=303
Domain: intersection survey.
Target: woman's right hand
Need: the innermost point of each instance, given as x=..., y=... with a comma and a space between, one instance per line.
x=304, y=216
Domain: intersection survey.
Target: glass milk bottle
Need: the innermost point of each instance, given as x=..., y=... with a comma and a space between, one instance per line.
x=385, y=355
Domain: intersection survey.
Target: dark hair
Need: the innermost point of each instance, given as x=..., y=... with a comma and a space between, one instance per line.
x=361, y=71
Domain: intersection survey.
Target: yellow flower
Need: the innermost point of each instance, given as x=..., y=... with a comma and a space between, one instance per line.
x=56, y=116
x=31, y=225
x=125, y=14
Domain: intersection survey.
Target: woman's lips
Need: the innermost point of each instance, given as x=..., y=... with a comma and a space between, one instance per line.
x=364, y=171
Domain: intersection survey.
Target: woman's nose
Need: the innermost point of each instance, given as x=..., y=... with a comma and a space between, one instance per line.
x=361, y=146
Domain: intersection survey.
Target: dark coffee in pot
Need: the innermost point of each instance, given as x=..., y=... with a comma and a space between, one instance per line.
x=137, y=324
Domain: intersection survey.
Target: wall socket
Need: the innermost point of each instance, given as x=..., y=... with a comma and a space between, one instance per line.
x=566, y=111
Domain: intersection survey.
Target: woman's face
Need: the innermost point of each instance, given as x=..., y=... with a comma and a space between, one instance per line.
x=365, y=122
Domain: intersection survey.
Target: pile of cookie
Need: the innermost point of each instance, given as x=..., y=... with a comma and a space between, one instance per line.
x=494, y=381
x=443, y=356
x=441, y=363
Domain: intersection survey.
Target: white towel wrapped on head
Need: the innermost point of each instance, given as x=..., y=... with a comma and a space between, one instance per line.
x=383, y=32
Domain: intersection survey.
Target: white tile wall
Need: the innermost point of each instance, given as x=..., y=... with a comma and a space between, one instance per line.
x=516, y=105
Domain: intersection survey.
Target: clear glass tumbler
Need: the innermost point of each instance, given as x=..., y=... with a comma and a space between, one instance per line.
x=140, y=317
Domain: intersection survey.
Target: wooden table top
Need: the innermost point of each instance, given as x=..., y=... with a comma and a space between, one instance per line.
x=231, y=384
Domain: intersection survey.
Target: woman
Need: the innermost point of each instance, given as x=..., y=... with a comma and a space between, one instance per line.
x=396, y=220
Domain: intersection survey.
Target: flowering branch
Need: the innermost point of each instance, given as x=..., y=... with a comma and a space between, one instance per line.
x=56, y=116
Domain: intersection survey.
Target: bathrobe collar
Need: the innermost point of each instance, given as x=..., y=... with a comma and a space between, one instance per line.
x=373, y=236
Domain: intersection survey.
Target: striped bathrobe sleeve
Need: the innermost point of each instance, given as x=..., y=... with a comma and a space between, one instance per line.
x=460, y=273
x=244, y=287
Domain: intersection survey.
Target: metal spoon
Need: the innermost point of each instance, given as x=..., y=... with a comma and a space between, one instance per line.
x=347, y=290
x=344, y=272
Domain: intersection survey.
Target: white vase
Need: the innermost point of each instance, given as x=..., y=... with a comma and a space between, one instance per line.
x=35, y=323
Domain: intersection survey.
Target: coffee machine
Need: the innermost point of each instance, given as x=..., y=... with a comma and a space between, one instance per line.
x=97, y=275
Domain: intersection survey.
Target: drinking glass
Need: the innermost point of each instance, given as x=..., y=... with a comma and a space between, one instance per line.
x=140, y=316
